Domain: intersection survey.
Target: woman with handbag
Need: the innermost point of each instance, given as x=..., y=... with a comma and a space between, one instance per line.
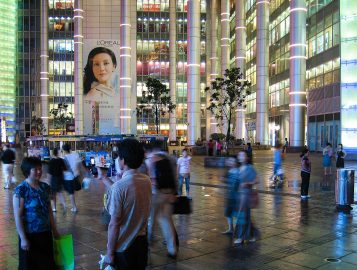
x=247, y=199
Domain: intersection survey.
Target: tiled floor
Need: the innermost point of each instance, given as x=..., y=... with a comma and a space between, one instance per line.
x=294, y=234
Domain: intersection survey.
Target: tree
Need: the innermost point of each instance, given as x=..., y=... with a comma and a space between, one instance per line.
x=37, y=125
x=158, y=98
x=61, y=117
x=227, y=95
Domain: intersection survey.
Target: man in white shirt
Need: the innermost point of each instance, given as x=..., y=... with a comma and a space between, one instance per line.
x=183, y=172
x=128, y=204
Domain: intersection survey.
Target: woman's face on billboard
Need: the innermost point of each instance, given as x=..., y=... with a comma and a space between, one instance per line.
x=103, y=68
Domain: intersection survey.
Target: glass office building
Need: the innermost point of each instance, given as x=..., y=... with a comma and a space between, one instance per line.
x=297, y=54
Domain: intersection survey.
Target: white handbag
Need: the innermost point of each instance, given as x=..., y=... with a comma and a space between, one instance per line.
x=68, y=175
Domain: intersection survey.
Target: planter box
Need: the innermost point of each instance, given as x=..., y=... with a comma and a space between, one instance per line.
x=215, y=162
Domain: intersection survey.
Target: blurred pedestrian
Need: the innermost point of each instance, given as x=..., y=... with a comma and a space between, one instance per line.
x=34, y=218
x=326, y=159
x=210, y=147
x=244, y=229
x=8, y=162
x=218, y=147
x=56, y=167
x=340, y=156
x=249, y=153
x=128, y=204
x=305, y=174
x=231, y=179
x=183, y=172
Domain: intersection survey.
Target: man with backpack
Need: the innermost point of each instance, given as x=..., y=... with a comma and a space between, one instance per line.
x=162, y=174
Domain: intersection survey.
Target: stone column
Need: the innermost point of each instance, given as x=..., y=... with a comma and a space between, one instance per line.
x=125, y=67
x=78, y=67
x=44, y=64
x=213, y=57
x=297, y=102
x=241, y=36
x=193, y=73
x=262, y=95
x=225, y=44
x=172, y=66
x=134, y=123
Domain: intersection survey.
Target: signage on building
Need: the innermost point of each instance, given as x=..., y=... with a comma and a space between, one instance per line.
x=64, y=5
x=58, y=26
x=3, y=130
x=250, y=125
x=70, y=127
x=151, y=7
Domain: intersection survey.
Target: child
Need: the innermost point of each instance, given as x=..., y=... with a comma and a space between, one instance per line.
x=305, y=174
x=34, y=218
x=183, y=171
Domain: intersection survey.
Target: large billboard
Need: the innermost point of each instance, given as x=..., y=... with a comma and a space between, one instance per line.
x=101, y=87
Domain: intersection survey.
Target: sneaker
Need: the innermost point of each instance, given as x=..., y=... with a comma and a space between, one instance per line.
x=252, y=240
x=238, y=241
x=303, y=197
x=54, y=210
x=307, y=196
x=74, y=210
x=227, y=232
x=7, y=186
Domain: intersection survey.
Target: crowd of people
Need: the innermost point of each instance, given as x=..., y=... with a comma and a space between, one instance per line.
x=141, y=194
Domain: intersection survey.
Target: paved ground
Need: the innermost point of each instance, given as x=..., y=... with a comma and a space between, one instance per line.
x=294, y=234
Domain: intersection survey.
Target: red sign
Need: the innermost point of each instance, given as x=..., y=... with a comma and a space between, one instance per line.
x=151, y=7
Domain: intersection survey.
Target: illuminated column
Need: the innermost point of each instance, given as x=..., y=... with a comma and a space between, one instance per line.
x=125, y=67
x=44, y=63
x=78, y=67
x=297, y=104
x=133, y=121
x=262, y=97
x=225, y=44
x=8, y=57
x=213, y=58
x=193, y=73
x=208, y=65
x=241, y=36
x=172, y=65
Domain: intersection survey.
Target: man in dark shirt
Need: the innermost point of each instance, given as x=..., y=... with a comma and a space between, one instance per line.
x=8, y=161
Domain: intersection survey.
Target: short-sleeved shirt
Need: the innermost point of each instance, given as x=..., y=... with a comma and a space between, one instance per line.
x=184, y=164
x=129, y=200
x=73, y=160
x=277, y=157
x=36, y=207
x=247, y=174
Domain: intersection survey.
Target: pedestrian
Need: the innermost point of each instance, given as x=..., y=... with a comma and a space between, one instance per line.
x=326, y=160
x=218, y=147
x=56, y=167
x=340, y=156
x=128, y=204
x=245, y=230
x=161, y=170
x=8, y=162
x=249, y=153
x=210, y=147
x=183, y=172
x=286, y=144
x=231, y=179
x=34, y=218
x=73, y=163
x=305, y=174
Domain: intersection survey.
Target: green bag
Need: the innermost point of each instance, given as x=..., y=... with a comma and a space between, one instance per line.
x=63, y=252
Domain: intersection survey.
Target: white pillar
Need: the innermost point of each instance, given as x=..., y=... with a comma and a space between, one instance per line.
x=262, y=97
x=208, y=65
x=78, y=67
x=125, y=67
x=297, y=104
x=225, y=44
x=133, y=40
x=193, y=74
x=172, y=66
x=44, y=64
x=241, y=36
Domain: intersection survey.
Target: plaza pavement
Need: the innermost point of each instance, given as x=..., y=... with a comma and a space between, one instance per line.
x=295, y=235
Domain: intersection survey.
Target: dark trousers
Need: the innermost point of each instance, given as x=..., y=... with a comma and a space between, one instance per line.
x=305, y=182
x=40, y=254
x=135, y=257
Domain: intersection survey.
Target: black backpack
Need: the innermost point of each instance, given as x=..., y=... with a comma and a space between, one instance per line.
x=165, y=174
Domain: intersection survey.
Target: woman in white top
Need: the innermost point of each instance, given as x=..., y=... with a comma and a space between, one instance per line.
x=183, y=171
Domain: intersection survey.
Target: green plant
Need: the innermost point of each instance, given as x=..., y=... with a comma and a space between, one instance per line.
x=227, y=95
x=158, y=98
x=61, y=116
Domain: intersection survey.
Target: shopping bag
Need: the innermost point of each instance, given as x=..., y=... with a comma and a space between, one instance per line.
x=63, y=252
x=182, y=206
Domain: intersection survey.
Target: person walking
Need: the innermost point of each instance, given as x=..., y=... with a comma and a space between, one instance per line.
x=56, y=167
x=249, y=153
x=245, y=229
x=305, y=174
x=73, y=163
x=218, y=147
x=183, y=172
x=326, y=159
x=34, y=219
x=128, y=204
x=8, y=163
x=210, y=147
x=340, y=156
